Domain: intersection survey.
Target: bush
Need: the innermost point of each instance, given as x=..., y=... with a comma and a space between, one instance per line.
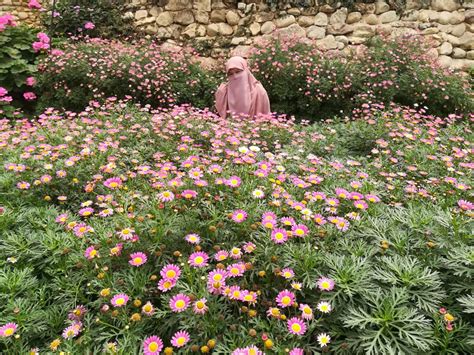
x=149, y=73
x=18, y=57
x=96, y=18
x=304, y=81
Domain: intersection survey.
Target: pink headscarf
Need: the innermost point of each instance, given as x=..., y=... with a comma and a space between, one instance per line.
x=242, y=94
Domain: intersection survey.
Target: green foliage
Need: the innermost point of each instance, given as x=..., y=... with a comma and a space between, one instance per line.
x=72, y=15
x=17, y=63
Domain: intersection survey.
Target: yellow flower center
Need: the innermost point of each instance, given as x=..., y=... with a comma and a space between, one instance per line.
x=170, y=274
x=181, y=340
x=8, y=332
x=325, y=284
x=307, y=310
x=180, y=304
x=120, y=301
x=286, y=300
x=296, y=327
x=137, y=260
x=200, y=305
x=113, y=184
x=217, y=277
x=234, y=271
x=240, y=216
x=199, y=260
x=153, y=346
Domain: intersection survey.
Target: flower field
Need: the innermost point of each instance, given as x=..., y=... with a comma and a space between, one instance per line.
x=130, y=230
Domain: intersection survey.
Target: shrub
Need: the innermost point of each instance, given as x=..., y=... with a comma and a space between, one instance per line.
x=150, y=73
x=18, y=57
x=97, y=18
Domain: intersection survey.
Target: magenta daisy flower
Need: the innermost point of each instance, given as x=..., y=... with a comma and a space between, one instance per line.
x=285, y=298
x=217, y=275
x=170, y=272
x=269, y=216
x=279, y=235
x=200, y=307
x=288, y=221
x=333, y=202
x=113, y=183
x=119, y=300
x=296, y=351
x=137, y=259
x=180, y=339
x=198, y=259
x=86, y=212
x=325, y=284
x=23, y=185
x=287, y=273
x=356, y=196
x=62, y=218
x=318, y=196
x=372, y=198
x=319, y=219
x=236, y=270
x=166, y=196
x=71, y=332
x=306, y=311
x=193, y=238
x=179, y=303
x=8, y=330
x=465, y=205
x=296, y=326
x=239, y=216
x=91, y=253
x=152, y=345
x=148, y=309
x=188, y=194
x=233, y=181
x=126, y=233
x=249, y=247
x=342, y=193
x=77, y=313
x=299, y=230
x=221, y=255
x=361, y=204
x=164, y=285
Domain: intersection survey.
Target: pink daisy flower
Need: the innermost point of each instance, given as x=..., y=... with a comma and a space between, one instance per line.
x=217, y=275
x=170, y=272
x=233, y=181
x=119, y=300
x=361, y=204
x=113, y=183
x=152, y=345
x=179, y=303
x=126, y=233
x=285, y=298
x=300, y=230
x=236, y=270
x=319, y=219
x=8, y=330
x=279, y=235
x=342, y=193
x=372, y=198
x=465, y=205
x=288, y=221
x=325, y=284
x=269, y=216
x=180, y=339
x=91, y=253
x=192, y=238
x=86, y=212
x=71, y=331
x=62, y=218
x=287, y=273
x=137, y=259
x=306, y=311
x=198, y=259
x=164, y=285
x=188, y=194
x=239, y=216
x=296, y=326
x=200, y=307
x=148, y=309
x=296, y=351
x=356, y=196
x=249, y=247
x=221, y=255
x=166, y=196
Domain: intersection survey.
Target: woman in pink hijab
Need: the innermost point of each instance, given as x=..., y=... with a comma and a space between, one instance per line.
x=242, y=94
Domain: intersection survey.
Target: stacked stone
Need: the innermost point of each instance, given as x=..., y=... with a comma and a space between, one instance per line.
x=446, y=23
x=20, y=11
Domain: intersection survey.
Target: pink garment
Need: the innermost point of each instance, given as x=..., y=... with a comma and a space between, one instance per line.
x=242, y=94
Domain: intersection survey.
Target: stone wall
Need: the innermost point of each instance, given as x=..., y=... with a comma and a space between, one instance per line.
x=223, y=25
x=20, y=11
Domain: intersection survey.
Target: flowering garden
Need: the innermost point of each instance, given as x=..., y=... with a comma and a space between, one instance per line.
x=135, y=220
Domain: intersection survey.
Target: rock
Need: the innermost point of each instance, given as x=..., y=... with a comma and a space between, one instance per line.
x=242, y=51
x=267, y=27
x=457, y=30
x=470, y=55
x=128, y=15
x=218, y=15
x=141, y=14
x=293, y=11
x=254, y=28
x=353, y=17
x=315, y=32
x=225, y=29
x=452, y=18
x=445, y=61
x=292, y=30
x=327, y=43
x=381, y=7
x=340, y=29
x=202, y=5
x=356, y=40
x=361, y=30
x=342, y=39
x=459, y=53
x=430, y=31
x=145, y=21
x=469, y=16
x=264, y=16
x=232, y=18
x=413, y=4
x=444, y=5
x=155, y=11
x=213, y=30
x=164, y=19
x=462, y=64
x=241, y=6
x=238, y=40
x=338, y=17
x=285, y=21
x=445, y=49
x=306, y=21
x=326, y=9
x=185, y=17
x=427, y=15
x=191, y=31
x=410, y=15
x=389, y=16
x=432, y=54
x=466, y=41
x=177, y=5
x=201, y=17
x=163, y=33
x=321, y=19
x=372, y=19
x=402, y=31
x=207, y=63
